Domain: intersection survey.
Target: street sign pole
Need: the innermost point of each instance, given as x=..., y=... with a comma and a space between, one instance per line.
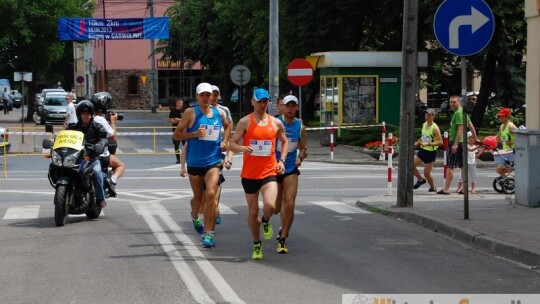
x=464, y=28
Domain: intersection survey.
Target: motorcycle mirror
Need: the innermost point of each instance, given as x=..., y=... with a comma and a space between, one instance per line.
x=47, y=143
x=48, y=128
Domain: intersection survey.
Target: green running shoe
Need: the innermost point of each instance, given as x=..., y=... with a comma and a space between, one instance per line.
x=198, y=225
x=257, y=252
x=281, y=247
x=267, y=230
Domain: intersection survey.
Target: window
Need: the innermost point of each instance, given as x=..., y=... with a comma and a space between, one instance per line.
x=133, y=85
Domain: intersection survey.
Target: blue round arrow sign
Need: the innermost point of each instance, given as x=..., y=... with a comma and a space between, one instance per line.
x=464, y=27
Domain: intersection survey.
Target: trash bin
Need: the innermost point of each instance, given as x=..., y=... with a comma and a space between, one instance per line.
x=527, y=167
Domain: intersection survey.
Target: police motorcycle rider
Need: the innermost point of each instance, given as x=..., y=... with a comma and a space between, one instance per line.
x=102, y=101
x=93, y=132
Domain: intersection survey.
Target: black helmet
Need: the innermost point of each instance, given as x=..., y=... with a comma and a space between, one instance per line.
x=84, y=106
x=101, y=101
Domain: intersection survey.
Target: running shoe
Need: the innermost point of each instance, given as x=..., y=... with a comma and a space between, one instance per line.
x=281, y=247
x=218, y=219
x=279, y=234
x=257, y=252
x=198, y=225
x=207, y=241
x=267, y=230
x=419, y=183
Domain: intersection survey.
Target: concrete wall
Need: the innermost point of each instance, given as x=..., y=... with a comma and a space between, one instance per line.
x=532, y=95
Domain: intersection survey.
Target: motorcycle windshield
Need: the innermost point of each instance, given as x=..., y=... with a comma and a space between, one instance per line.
x=69, y=139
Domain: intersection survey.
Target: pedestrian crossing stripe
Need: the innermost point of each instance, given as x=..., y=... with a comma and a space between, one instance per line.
x=296, y=211
x=22, y=212
x=340, y=207
x=32, y=211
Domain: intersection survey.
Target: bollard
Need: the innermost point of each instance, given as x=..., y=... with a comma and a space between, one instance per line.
x=445, y=152
x=383, y=141
x=331, y=140
x=390, y=152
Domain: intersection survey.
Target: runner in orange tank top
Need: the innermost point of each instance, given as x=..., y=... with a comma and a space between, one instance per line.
x=258, y=132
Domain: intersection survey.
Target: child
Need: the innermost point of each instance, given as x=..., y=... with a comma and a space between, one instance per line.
x=471, y=160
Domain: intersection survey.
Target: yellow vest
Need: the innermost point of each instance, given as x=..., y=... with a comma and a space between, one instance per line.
x=427, y=136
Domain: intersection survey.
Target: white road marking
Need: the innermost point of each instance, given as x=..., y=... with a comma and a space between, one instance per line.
x=148, y=211
x=22, y=212
x=224, y=209
x=341, y=208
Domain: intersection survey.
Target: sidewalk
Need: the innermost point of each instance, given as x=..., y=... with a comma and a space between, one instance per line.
x=496, y=225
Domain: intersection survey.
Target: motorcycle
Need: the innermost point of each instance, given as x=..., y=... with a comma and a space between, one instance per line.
x=71, y=174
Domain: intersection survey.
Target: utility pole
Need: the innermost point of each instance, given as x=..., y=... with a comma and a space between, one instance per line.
x=409, y=79
x=105, y=80
x=273, y=53
x=153, y=74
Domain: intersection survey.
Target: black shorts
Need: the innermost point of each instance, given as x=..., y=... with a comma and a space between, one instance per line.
x=251, y=186
x=281, y=177
x=426, y=156
x=455, y=160
x=201, y=171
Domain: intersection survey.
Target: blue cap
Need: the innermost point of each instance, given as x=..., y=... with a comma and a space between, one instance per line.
x=260, y=94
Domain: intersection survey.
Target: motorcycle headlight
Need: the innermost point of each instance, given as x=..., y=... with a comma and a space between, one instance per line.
x=71, y=159
x=56, y=158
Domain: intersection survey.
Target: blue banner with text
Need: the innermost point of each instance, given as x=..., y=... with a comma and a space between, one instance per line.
x=82, y=29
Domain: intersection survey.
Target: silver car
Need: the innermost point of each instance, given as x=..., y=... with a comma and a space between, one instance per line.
x=53, y=108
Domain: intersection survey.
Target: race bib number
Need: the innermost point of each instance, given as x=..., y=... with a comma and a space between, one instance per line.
x=261, y=147
x=212, y=132
x=293, y=144
x=425, y=139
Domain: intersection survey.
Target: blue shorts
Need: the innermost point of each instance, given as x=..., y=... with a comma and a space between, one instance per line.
x=426, y=156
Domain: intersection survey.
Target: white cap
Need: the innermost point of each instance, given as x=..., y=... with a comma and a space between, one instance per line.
x=469, y=134
x=290, y=98
x=204, y=87
x=215, y=88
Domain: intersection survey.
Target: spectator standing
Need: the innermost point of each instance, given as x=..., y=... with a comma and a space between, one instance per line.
x=6, y=100
x=472, y=148
x=455, y=157
x=71, y=116
x=174, y=118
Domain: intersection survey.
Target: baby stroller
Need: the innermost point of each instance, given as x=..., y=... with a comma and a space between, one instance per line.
x=501, y=184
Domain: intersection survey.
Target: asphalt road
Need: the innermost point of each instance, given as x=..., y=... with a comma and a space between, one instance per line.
x=144, y=249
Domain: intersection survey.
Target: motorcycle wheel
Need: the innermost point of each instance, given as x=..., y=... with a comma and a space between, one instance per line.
x=61, y=205
x=94, y=210
x=509, y=186
x=497, y=184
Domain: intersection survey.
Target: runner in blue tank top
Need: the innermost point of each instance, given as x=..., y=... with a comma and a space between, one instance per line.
x=288, y=182
x=201, y=126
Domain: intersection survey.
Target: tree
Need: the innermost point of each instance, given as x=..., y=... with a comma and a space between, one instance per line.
x=29, y=30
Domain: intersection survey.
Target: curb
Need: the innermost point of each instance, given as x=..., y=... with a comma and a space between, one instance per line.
x=464, y=236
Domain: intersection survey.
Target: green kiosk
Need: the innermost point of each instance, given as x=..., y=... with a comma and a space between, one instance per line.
x=360, y=88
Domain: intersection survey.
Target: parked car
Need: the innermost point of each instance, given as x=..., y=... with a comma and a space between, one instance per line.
x=4, y=140
x=53, y=108
x=17, y=99
x=41, y=97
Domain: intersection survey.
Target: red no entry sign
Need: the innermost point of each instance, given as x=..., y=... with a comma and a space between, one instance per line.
x=299, y=72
